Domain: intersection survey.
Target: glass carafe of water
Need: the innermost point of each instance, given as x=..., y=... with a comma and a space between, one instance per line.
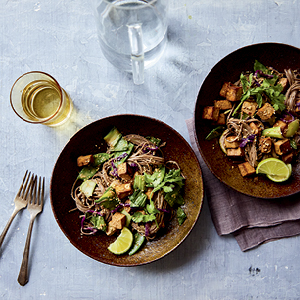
x=132, y=33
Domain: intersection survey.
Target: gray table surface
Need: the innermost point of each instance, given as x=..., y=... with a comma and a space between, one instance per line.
x=59, y=37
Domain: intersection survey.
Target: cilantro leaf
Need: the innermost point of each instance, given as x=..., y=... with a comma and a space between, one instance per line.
x=154, y=140
x=246, y=81
x=266, y=88
x=259, y=66
x=138, y=217
x=156, y=178
x=171, y=185
x=174, y=176
x=151, y=208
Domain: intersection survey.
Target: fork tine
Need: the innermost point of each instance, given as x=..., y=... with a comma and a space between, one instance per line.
x=33, y=191
x=40, y=196
x=29, y=188
x=23, y=186
x=38, y=200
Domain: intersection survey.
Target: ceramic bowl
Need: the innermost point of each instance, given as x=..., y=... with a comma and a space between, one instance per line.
x=228, y=69
x=89, y=140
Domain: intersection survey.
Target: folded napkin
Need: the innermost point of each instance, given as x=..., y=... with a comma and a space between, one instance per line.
x=252, y=221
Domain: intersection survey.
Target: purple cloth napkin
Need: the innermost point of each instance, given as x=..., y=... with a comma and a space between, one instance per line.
x=252, y=221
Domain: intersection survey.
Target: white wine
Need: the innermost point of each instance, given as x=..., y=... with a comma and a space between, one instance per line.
x=41, y=99
x=37, y=98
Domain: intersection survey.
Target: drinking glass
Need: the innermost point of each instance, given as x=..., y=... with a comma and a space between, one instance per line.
x=36, y=97
x=132, y=33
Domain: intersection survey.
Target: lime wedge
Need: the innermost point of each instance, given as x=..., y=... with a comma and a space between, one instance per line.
x=123, y=242
x=275, y=169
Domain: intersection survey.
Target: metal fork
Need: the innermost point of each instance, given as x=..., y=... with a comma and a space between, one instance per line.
x=20, y=201
x=34, y=206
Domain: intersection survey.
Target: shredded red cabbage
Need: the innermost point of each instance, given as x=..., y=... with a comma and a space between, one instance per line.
x=119, y=206
x=116, y=209
x=94, y=211
x=152, y=148
x=262, y=74
x=121, y=156
x=115, y=170
x=284, y=119
x=256, y=83
x=147, y=229
x=249, y=138
x=92, y=229
x=82, y=221
x=149, y=148
x=163, y=210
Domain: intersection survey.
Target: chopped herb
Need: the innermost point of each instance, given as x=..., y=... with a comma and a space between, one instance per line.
x=139, y=217
x=155, y=141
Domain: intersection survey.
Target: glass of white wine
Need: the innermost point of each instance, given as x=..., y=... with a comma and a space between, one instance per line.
x=36, y=97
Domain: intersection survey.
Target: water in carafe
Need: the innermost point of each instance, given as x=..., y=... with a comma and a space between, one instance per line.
x=114, y=18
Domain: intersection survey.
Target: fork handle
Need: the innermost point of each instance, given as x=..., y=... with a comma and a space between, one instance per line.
x=23, y=275
x=3, y=234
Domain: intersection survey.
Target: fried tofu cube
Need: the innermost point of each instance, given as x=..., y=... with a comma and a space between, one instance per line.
x=234, y=93
x=118, y=220
x=266, y=112
x=287, y=158
x=111, y=230
x=282, y=146
x=123, y=190
x=265, y=144
x=85, y=160
x=216, y=113
x=211, y=113
x=284, y=82
x=231, y=92
x=208, y=112
x=124, y=171
x=221, y=119
x=246, y=169
x=255, y=128
x=283, y=125
x=231, y=143
x=222, y=104
x=249, y=107
x=236, y=152
x=224, y=89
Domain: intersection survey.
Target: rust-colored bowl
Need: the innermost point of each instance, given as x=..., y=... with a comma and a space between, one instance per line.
x=89, y=140
x=278, y=56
